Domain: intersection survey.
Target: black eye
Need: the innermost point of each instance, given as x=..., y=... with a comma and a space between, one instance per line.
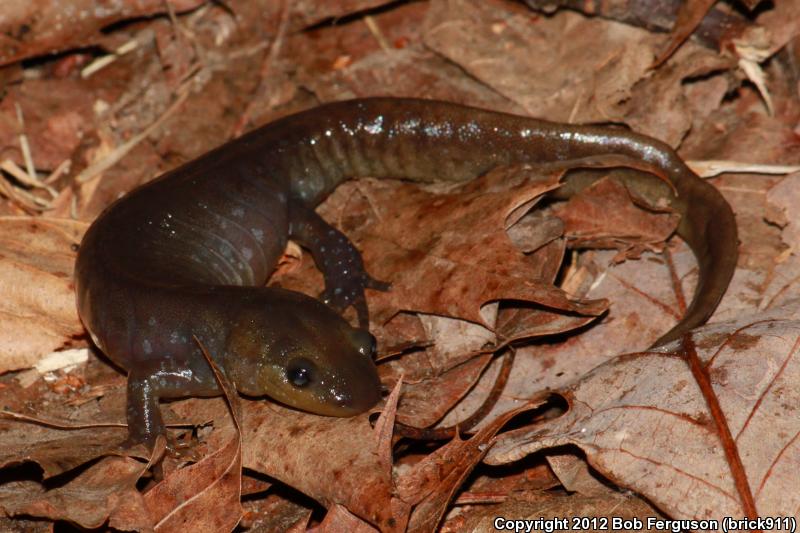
x=366, y=343
x=300, y=372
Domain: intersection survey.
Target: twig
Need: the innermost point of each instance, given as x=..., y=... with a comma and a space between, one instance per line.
x=120, y=151
x=266, y=66
x=102, y=62
x=377, y=33
x=23, y=143
x=715, y=167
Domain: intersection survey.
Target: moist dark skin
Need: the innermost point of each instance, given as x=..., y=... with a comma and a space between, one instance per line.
x=188, y=253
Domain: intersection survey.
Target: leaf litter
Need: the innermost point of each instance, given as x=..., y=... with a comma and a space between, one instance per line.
x=455, y=302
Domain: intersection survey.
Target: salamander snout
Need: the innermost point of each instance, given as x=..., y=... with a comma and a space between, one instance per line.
x=314, y=361
x=344, y=389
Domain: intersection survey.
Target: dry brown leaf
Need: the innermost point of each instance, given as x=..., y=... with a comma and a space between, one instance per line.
x=642, y=421
x=41, y=27
x=332, y=460
x=56, y=114
x=205, y=496
x=37, y=312
x=665, y=90
x=200, y=497
x=338, y=520
x=512, y=51
x=55, y=450
x=553, y=509
x=431, y=484
x=420, y=408
x=106, y=491
x=412, y=72
x=436, y=269
x=603, y=216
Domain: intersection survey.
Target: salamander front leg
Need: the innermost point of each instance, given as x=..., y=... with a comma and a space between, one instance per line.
x=338, y=260
x=147, y=385
x=143, y=414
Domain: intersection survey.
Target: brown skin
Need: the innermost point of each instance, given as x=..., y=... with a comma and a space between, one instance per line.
x=187, y=254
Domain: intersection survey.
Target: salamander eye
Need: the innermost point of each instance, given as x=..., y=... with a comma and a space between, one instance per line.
x=300, y=372
x=365, y=341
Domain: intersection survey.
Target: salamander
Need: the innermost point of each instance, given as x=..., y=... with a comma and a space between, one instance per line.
x=187, y=255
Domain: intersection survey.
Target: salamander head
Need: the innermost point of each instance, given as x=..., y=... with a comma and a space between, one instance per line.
x=304, y=355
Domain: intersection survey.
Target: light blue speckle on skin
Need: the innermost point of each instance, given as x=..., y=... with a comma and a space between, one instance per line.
x=151, y=321
x=238, y=212
x=258, y=234
x=409, y=126
x=148, y=349
x=247, y=253
x=376, y=126
x=438, y=130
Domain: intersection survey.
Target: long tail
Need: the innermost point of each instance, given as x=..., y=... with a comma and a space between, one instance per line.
x=426, y=140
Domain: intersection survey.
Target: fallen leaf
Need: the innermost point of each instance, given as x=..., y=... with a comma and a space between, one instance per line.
x=514, y=54
x=333, y=460
x=603, y=216
x=106, y=491
x=205, y=496
x=38, y=307
x=460, y=274
x=36, y=28
x=201, y=497
x=431, y=484
x=642, y=421
x=339, y=519
x=557, y=511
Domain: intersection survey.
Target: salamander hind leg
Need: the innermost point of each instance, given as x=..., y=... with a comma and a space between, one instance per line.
x=337, y=258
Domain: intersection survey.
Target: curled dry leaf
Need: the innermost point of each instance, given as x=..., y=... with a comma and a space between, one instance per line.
x=603, y=216
x=333, y=460
x=42, y=27
x=459, y=256
x=55, y=450
x=38, y=305
x=338, y=519
x=105, y=492
x=418, y=408
x=431, y=484
x=200, y=497
x=642, y=421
